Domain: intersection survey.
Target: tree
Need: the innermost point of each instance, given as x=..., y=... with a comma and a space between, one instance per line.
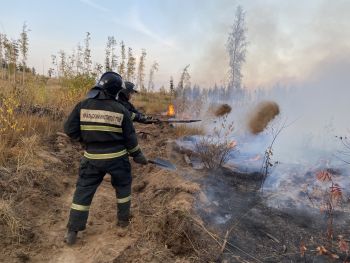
x=79, y=60
x=50, y=72
x=184, y=80
x=153, y=69
x=2, y=64
x=107, y=57
x=23, y=45
x=111, y=57
x=141, y=70
x=87, y=54
x=54, y=64
x=11, y=56
x=70, y=64
x=130, y=70
x=114, y=57
x=62, y=63
x=121, y=68
x=236, y=47
x=98, y=69
x=183, y=85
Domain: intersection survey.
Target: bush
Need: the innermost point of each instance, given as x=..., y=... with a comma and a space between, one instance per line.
x=214, y=149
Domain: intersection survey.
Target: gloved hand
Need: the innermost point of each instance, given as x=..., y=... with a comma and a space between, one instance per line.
x=141, y=159
x=150, y=120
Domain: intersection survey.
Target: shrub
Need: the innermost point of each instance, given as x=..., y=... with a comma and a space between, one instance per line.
x=214, y=149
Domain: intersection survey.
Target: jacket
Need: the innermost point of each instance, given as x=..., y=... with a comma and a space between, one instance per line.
x=104, y=126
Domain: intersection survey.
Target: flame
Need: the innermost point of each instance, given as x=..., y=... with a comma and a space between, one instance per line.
x=171, y=110
x=256, y=158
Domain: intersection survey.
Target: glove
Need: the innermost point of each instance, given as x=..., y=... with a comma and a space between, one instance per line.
x=141, y=159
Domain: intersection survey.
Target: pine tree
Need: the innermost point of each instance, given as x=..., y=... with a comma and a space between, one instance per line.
x=54, y=65
x=87, y=54
x=62, y=63
x=153, y=69
x=23, y=45
x=107, y=57
x=131, y=66
x=70, y=64
x=79, y=60
x=111, y=57
x=11, y=56
x=141, y=70
x=236, y=47
x=114, y=57
x=121, y=68
x=2, y=55
x=7, y=55
x=183, y=85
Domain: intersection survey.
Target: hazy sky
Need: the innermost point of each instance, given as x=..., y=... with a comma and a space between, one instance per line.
x=289, y=39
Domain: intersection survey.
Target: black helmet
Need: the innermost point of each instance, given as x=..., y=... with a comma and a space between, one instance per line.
x=129, y=88
x=111, y=82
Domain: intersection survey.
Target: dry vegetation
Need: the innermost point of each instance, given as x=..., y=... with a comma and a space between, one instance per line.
x=214, y=149
x=35, y=163
x=183, y=130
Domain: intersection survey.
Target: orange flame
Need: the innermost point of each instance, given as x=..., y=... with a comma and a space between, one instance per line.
x=171, y=110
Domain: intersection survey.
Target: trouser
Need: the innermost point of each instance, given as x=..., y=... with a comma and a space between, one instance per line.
x=91, y=174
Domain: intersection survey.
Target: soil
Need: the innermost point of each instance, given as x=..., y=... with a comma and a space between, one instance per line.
x=263, y=114
x=185, y=215
x=222, y=110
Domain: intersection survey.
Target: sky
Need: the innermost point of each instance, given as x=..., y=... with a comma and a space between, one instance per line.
x=289, y=40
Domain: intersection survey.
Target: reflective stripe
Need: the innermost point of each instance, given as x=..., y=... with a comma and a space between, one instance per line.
x=80, y=207
x=101, y=116
x=134, y=149
x=100, y=128
x=124, y=200
x=101, y=156
x=133, y=115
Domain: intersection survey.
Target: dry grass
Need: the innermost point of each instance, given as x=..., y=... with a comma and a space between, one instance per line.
x=152, y=103
x=183, y=130
x=14, y=145
x=11, y=227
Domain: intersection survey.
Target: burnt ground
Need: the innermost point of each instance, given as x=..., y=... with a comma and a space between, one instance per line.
x=183, y=216
x=232, y=204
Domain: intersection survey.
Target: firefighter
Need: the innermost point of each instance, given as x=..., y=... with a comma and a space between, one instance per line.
x=105, y=128
x=124, y=98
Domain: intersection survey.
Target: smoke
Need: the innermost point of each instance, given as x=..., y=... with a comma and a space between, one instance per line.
x=287, y=42
x=316, y=111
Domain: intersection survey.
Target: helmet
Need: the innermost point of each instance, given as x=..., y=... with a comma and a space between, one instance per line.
x=111, y=82
x=129, y=88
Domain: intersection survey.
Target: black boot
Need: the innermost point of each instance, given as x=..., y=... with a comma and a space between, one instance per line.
x=123, y=223
x=71, y=237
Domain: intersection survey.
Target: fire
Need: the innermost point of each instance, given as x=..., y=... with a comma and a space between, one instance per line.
x=171, y=111
x=256, y=158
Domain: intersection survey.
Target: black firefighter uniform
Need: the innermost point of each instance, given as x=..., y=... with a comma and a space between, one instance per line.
x=106, y=129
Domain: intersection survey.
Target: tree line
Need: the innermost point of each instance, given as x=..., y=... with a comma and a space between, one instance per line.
x=14, y=55
x=118, y=57
x=122, y=59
